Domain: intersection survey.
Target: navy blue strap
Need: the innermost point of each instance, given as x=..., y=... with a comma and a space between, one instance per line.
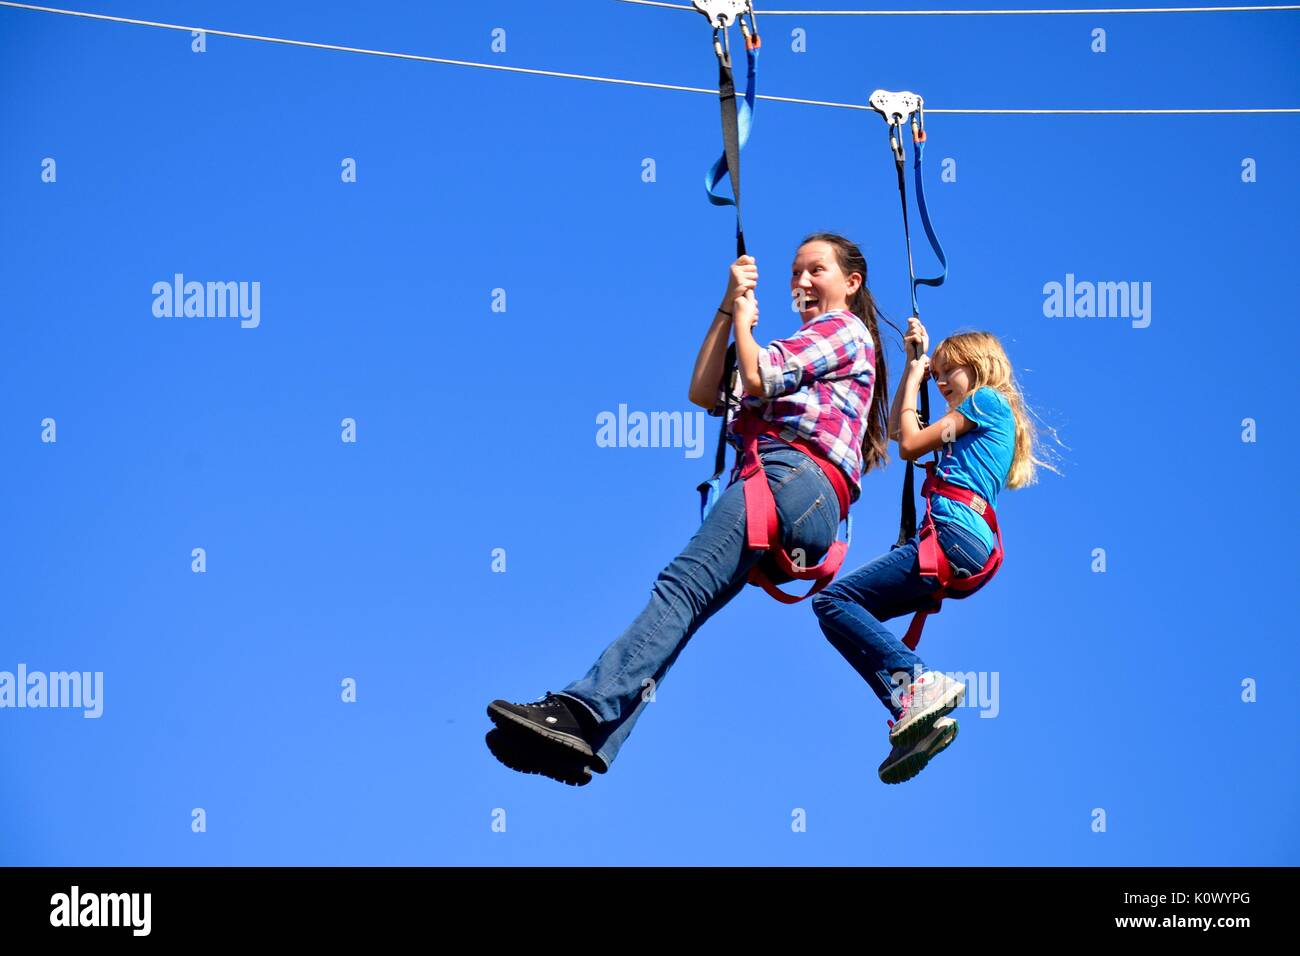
x=907, y=521
x=737, y=119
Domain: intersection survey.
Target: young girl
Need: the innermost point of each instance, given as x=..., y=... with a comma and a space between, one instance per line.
x=819, y=395
x=988, y=443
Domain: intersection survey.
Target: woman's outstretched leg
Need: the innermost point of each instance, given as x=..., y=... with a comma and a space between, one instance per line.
x=711, y=570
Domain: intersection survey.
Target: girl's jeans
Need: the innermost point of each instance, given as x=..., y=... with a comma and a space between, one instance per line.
x=851, y=610
x=709, y=572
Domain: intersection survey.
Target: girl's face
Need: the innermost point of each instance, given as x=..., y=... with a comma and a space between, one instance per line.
x=954, y=382
x=817, y=284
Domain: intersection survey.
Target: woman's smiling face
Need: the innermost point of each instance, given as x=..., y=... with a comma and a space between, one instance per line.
x=818, y=284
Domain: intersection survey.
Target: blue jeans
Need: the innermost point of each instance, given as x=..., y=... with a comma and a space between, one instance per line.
x=851, y=610
x=710, y=571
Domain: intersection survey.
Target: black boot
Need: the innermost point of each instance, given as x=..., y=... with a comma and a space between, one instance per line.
x=555, y=720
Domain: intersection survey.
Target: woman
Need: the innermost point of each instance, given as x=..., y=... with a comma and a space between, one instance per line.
x=819, y=398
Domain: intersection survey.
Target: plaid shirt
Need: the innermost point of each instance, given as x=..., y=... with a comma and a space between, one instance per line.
x=817, y=386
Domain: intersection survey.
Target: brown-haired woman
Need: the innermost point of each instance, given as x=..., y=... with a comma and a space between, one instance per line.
x=813, y=413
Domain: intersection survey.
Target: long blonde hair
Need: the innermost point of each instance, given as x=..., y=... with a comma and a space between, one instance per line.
x=984, y=354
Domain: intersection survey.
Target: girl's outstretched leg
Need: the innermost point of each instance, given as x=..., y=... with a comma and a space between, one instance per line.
x=851, y=612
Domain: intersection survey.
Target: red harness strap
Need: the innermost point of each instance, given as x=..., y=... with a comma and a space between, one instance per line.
x=762, y=526
x=934, y=563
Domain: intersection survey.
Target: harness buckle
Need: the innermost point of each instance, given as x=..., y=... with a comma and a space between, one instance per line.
x=978, y=505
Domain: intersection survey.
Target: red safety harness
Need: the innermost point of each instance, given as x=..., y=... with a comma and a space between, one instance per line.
x=762, y=526
x=934, y=563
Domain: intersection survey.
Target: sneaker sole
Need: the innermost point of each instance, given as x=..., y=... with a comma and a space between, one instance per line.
x=920, y=725
x=512, y=723
x=526, y=756
x=909, y=766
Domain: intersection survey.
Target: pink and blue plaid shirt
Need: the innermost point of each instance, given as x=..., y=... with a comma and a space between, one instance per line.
x=817, y=387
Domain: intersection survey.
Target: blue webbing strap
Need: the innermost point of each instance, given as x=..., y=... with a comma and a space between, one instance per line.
x=918, y=150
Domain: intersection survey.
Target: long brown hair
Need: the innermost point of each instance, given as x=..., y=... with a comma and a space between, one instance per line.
x=875, y=441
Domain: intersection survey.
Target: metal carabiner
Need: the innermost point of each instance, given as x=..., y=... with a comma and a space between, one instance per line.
x=896, y=141
x=750, y=29
x=897, y=108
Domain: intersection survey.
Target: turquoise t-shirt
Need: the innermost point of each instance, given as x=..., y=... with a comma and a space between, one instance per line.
x=979, y=460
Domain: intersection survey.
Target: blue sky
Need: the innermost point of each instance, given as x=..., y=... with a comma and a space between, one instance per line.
x=476, y=431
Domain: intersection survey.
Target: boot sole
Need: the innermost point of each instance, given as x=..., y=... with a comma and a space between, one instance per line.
x=921, y=725
x=526, y=756
x=512, y=722
x=909, y=766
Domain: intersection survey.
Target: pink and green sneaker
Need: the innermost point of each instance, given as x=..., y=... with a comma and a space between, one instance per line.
x=928, y=698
